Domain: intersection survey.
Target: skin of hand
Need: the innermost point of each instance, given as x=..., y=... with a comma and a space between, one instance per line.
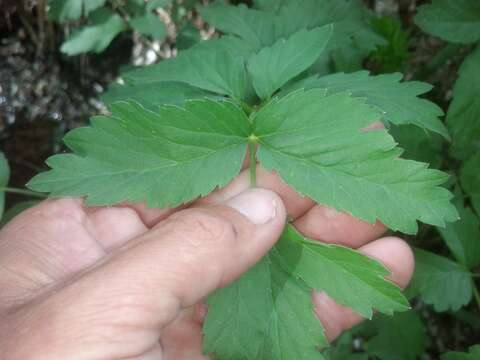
x=127, y=282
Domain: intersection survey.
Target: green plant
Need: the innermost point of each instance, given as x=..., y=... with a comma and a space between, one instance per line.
x=105, y=20
x=286, y=82
x=259, y=86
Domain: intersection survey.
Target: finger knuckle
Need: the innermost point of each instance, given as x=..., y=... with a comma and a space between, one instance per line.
x=200, y=227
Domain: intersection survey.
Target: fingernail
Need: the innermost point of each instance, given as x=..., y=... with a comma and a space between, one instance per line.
x=257, y=205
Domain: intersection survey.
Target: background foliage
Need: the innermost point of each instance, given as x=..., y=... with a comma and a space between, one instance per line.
x=429, y=41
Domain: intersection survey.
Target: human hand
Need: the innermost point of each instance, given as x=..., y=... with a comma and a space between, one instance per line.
x=125, y=282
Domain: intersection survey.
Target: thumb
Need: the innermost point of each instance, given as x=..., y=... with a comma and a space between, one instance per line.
x=145, y=284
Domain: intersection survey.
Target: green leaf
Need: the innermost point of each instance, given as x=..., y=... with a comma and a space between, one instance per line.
x=340, y=272
x=150, y=25
x=188, y=35
x=216, y=71
x=267, y=313
x=273, y=66
x=440, y=282
x=418, y=144
x=254, y=26
x=317, y=145
x=463, y=237
x=269, y=5
x=64, y=10
x=400, y=337
x=17, y=209
x=139, y=155
x=342, y=349
x=463, y=118
x=154, y=94
x=4, y=177
x=105, y=26
x=398, y=101
x=154, y=4
x=473, y=354
x=470, y=180
x=455, y=21
x=351, y=34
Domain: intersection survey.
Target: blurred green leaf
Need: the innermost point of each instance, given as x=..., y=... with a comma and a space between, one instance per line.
x=255, y=26
x=452, y=20
x=470, y=180
x=440, y=282
x=104, y=26
x=400, y=337
x=473, y=354
x=149, y=24
x=463, y=117
x=418, y=144
x=390, y=57
x=64, y=10
x=342, y=349
x=154, y=4
x=188, y=35
x=463, y=237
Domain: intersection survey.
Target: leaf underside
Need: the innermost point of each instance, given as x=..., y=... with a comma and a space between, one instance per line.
x=268, y=313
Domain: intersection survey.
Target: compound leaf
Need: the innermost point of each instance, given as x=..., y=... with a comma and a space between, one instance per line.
x=473, y=354
x=456, y=21
x=318, y=145
x=463, y=117
x=470, y=180
x=4, y=177
x=440, y=282
x=64, y=10
x=273, y=66
x=218, y=71
x=398, y=101
x=139, y=155
x=104, y=26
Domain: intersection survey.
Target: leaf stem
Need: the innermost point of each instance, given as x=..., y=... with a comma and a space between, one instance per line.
x=23, y=192
x=253, y=163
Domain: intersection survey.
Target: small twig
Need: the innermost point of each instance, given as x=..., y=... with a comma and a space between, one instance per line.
x=23, y=192
x=41, y=24
x=28, y=27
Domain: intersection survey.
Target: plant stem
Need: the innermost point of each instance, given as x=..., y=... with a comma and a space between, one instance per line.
x=253, y=164
x=22, y=192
